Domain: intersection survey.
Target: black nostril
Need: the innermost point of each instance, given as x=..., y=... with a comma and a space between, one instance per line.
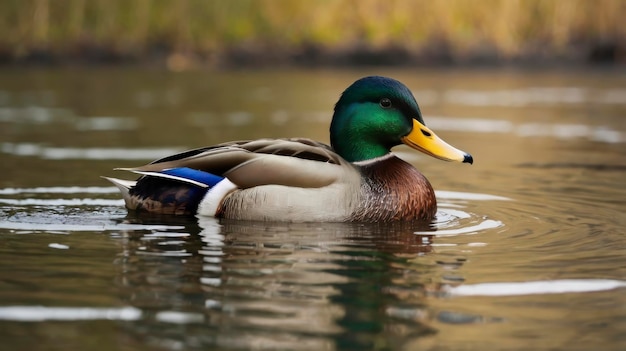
x=425, y=133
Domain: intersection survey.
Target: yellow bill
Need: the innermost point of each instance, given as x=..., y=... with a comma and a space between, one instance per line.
x=423, y=139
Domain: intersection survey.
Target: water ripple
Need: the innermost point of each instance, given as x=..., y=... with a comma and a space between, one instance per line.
x=563, y=131
x=60, y=190
x=474, y=229
x=453, y=219
x=41, y=314
x=61, y=227
x=63, y=202
x=93, y=153
x=562, y=286
x=535, y=96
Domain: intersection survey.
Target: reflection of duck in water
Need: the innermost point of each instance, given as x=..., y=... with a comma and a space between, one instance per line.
x=357, y=179
x=319, y=281
x=241, y=284
x=393, y=238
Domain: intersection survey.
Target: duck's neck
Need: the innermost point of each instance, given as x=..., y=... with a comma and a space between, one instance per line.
x=404, y=192
x=359, y=151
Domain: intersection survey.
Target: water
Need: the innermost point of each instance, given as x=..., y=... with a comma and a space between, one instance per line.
x=527, y=250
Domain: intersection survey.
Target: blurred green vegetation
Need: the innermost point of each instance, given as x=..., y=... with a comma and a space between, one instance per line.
x=210, y=31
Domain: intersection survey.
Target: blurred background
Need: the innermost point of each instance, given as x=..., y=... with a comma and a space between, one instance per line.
x=189, y=33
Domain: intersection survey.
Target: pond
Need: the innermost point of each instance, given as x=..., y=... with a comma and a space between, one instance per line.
x=527, y=250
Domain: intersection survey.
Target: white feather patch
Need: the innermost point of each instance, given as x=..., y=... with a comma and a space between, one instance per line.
x=213, y=198
x=373, y=160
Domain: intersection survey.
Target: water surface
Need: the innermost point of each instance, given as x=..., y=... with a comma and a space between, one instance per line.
x=527, y=250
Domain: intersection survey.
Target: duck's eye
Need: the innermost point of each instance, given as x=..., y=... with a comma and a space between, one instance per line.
x=385, y=103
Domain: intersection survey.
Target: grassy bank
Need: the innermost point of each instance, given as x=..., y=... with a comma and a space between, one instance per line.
x=244, y=32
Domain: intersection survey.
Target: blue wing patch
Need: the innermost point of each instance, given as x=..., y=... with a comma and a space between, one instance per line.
x=194, y=176
x=183, y=174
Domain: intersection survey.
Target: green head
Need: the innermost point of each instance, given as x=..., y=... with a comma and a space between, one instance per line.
x=375, y=114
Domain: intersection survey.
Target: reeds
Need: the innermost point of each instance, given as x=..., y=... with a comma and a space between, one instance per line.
x=462, y=29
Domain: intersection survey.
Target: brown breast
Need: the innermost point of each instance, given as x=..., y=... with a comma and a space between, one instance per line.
x=394, y=191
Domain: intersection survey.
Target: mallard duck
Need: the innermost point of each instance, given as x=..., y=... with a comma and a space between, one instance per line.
x=356, y=178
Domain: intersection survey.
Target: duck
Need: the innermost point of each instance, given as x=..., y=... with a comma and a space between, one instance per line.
x=357, y=178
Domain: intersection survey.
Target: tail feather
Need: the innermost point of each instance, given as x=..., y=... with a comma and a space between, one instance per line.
x=124, y=186
x=168, y=191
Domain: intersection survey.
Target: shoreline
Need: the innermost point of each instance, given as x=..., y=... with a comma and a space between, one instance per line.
x=611, y=54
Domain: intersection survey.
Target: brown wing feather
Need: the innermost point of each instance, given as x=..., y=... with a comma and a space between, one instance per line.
x=295, y=147
x=292, y=162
